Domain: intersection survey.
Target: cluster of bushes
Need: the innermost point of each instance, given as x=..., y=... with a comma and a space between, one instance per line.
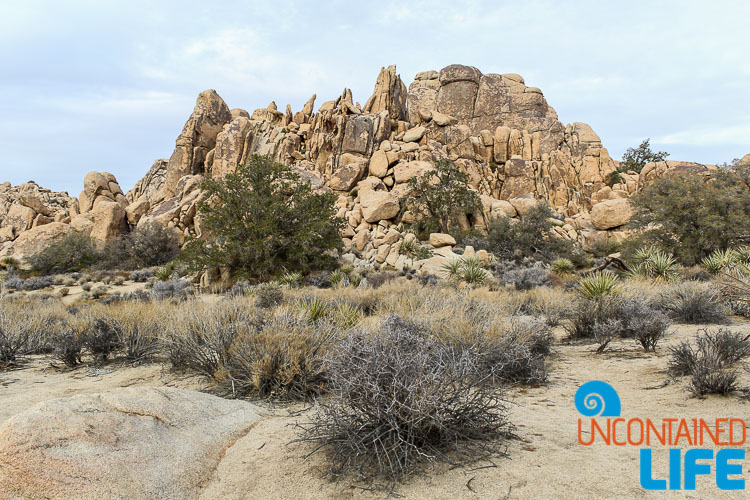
x=693, y=217
x=529, y=237
x=145, y=246
x=710, y=361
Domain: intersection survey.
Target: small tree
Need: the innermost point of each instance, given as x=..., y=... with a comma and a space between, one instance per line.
x=441, y=196
x=261, y=219
x=71, y=252
x=636, y=158
x=691, y=217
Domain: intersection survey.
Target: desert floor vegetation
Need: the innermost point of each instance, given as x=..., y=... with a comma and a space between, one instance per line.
x=390, y=375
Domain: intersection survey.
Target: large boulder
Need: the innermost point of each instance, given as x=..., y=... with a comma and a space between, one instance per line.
x=35, y=240
x=611, y=213
x=139, y=442
x=109, y=220
x=378, y=205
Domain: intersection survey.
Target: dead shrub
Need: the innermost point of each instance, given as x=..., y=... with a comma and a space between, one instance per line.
x=398, y=399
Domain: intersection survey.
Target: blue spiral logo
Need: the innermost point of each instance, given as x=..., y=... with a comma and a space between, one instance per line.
x=597, y=399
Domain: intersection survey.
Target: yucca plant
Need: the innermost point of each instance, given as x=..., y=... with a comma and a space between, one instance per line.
x=562, y=266
x=737, y=281
x=452, y=268
x=644, y=254
x=661, y=266
x=338, y=278
x=165, y=273
x=315, y=308
x=472, y=271
x=743, y=254
x=290, y=279
x=598, y=284
x=347, y=315
x=720, y=261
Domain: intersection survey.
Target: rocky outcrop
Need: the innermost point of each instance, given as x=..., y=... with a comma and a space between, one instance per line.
x=145, y=442
x=198, y=137
x=502, y=133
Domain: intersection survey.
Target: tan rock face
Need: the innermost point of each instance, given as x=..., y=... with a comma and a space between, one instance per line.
x=143, y=443
x=198, y=137
x=35, y=240
x=389, y=95
x=109, y=220
x=611, y=213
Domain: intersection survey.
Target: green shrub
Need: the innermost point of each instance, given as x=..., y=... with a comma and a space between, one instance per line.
x=283, y=225
x=529, y=237
x=71, y=252
x=147, y=245
x=691, y=217
x=441, y=196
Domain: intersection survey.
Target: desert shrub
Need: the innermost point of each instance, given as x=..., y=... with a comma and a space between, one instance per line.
x=71, y=252
x=67, y=346
x=708, y=379
x=102, y=339
x=141, y=275
x=692, y=217
x=524, y=278
x=319, y=279
x=642, y=322
x=15, y=333
x=86, y=287
x=240, y=289
x=380, y=278
x=440, y=197
x=468, y=269
x=268, y=295
x=174, y=289
x=147, y=245
x=284, y=225
x=518, y=357
x=199, y=338
x=138, y=325
x=710, y=361
x=280, y=358
x=720, y=261
x=385, y=418
x=28, y=284
x=598, y=284
x=693, y=303
x=529, y=237
x=99, y=291
x=63, y=291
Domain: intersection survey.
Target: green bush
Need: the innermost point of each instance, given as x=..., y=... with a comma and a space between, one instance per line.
x=282, y=225
x=529, y=237
x=441, y=196
x=146, y=246
x=691, y=217
x=71, y=252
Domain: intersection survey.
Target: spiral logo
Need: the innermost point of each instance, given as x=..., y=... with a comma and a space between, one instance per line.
x=597, y=399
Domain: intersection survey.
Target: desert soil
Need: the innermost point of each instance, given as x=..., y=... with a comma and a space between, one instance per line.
x=546, y=462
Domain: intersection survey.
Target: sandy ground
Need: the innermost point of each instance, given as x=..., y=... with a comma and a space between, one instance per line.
x=547, y=462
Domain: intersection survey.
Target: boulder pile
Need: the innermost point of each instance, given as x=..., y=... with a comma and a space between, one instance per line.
x=499, y=131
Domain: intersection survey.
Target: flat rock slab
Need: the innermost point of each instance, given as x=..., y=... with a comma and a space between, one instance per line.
x=139, y=442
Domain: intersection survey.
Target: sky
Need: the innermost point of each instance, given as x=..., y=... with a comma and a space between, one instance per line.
x=107, y=86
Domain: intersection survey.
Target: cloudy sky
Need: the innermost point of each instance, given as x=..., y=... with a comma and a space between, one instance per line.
x=100, y=85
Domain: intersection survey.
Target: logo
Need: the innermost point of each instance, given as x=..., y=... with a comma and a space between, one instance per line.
x=683, y=440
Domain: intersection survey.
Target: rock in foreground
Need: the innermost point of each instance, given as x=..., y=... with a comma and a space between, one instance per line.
x=139, y=442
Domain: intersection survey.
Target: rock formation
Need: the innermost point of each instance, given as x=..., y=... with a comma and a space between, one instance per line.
x=144, y=442
x=503, y=134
